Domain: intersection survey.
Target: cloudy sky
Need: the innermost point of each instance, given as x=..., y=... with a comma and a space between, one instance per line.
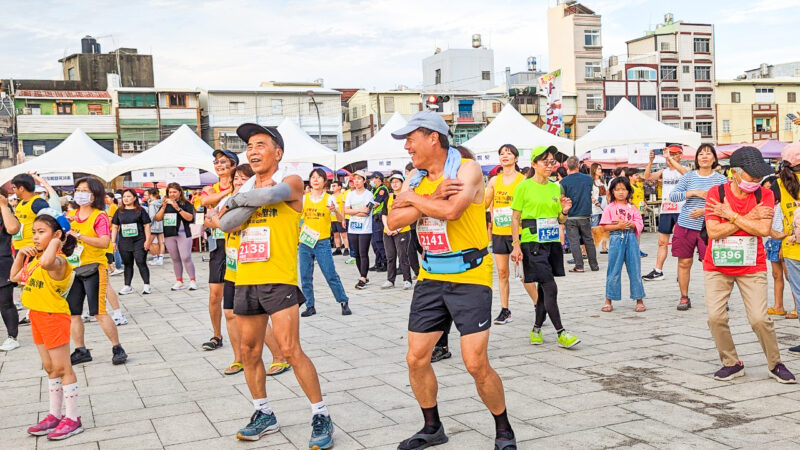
x=367, y=44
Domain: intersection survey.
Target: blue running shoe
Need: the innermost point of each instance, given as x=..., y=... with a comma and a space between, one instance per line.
x=321, y=432
x=260, y=424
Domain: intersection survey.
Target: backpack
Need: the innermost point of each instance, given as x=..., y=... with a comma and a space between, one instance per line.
x=721, y=190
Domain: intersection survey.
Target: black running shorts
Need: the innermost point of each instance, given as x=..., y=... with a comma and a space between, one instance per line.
x=216, y=263
x=501, y=245
x=542, y=262
x=228, y=291
x=254, y=299
x=437, y=303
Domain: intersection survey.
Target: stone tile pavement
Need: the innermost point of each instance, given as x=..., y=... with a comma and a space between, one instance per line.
x=637, y=380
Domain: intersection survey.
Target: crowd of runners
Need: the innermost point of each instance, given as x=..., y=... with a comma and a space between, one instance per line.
x=441, y=224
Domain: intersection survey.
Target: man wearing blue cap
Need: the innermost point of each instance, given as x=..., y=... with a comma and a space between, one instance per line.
x=445, y=198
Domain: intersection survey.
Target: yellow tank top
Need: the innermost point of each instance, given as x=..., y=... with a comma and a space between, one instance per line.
x=501, y=204
x=84, y=253
x=468, y=231
x=339, y=204
x=24, y=213
x=389, y=203
x=791, y=250
x=284, y=232
x=112, y=209
x=316, y=215
x=231, y=251
x=43, y=293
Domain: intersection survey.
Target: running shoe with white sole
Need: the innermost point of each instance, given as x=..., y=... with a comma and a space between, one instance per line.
x=387, y=285
x=146, y=289
x=66, y=428
x=193, y=285
x=504, y=317
x=321, y=432
x=727, y=373
x=654, y=275
x=9, y=344
x=536, y=337
x=567, y=340
x=116, y=272
x=45, y=426
x=782, y=375
x=407, y=285
x=119, y=318
x=260, y=424
x=126, y=290
x=361, y=284
x=177, y=286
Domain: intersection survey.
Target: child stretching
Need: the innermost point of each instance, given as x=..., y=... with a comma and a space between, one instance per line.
x=624, y=223
x=46, y=275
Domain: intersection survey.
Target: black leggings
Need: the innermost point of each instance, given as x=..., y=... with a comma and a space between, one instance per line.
x=548, y=304
x=138, y=254
x=9, y=310
x=361, y=243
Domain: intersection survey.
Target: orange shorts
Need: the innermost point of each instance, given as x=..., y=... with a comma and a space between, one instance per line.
x=49, y=329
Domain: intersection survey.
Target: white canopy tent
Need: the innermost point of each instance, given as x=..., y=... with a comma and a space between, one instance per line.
x=299, y=147
x=382, y=146
x=510, y=127
x=77, y=153
x=625, y=124
x=183, y=148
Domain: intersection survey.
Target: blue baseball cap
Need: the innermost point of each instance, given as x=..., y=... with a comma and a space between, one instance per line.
x=228, y=154
x=423, y=119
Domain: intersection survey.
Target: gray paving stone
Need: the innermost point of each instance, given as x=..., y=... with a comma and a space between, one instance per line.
x=184, y=428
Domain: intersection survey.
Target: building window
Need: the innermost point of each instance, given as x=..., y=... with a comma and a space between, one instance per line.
x=647, y=102
x=669, y=101
x=363, y=111
x=486, y=75
x=388, y=104
x=277, y=106
x=496, y=107
x=592, y=70
x=236, y=107
x=726, y=126
x=787, y=124
x=95, y=109
x=312, y=109
x=765, y=95
x=354, y=114
x=438, y=76
x=611, y=101
x=673, y=124
x=669, y=72
x=591, y=38
x=702, y=45
x=687, y=98
x=702, y=101
x=791, y=97
x=702, y=73
x=71, y=73
x=686, y=69
x=642, y=73
x=177, y=100
x=594, y=102
x=36, y=109
x=687, y=125
x=736, y=97
x=704, y=128
x=763, y=125
x=665, y=46
x=64, y=108
x=634, y=100
x=133, y=100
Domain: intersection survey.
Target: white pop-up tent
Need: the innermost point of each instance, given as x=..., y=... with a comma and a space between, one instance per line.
x=510, y=127
x=183, y=148
x=299, y=147
x=625, y=124
x=382, y=146
x=77, y=153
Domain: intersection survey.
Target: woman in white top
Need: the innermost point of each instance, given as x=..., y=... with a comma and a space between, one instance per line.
x=358, y=204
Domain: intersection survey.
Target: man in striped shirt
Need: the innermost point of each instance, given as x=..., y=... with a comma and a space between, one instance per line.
x=692, y=189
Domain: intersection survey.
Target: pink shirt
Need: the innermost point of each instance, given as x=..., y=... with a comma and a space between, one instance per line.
x=614, y=212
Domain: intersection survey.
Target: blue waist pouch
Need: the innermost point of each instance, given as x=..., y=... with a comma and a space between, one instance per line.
x=453, y=262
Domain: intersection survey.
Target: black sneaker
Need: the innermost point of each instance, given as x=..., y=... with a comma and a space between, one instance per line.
x=782, y=374
x=80, y=355
x=24, y=321
x=346, y=252
x=119, y=355
x=684, y=304
x=382, y=268
x=346, y=309
x=361, y=284
x=795, y=349
x=213, y=343
x=727, y=373
x=337, y=252
x=504, y=317
x=653, y=276
x=440, y=353
x=310, y=311
x=374, y=268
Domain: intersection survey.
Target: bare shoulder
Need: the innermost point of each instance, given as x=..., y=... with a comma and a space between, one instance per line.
x=294, y=181
x=470, y=170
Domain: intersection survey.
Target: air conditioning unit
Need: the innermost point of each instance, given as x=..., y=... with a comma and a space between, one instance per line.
x=598, y=107
x=127, y=147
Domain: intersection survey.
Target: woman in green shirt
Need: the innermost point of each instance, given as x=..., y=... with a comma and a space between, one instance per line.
x=538, y=208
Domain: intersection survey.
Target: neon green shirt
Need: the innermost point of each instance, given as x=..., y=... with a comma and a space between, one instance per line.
x=536, y=201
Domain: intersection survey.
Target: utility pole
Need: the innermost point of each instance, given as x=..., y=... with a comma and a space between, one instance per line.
x=319, y=121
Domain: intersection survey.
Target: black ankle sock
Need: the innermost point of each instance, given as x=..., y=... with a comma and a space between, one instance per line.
x=502, y=426
x=432, y=422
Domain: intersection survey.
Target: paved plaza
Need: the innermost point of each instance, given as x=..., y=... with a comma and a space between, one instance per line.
x=638, y=380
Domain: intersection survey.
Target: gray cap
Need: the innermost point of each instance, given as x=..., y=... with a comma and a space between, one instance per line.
x=423, y=119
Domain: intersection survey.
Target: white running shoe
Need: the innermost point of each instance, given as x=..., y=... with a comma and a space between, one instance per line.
x=19, y=306
x=9, y=344
x=119, y=318
x=160, y=261
x=387, y=285
x=146, y=289
x=407, y=285
x=177, y=286
x=86, y=317
x=193, y=285
x=116, y=272
x=126, y=290
x=153, y=261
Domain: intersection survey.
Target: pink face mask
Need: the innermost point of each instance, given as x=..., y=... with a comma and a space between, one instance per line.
x=749, y=186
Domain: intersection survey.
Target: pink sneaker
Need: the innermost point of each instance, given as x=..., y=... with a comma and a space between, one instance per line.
x=44, y=426
x=66, y=428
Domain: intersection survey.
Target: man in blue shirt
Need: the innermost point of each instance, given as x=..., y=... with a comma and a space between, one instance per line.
x=578, y=188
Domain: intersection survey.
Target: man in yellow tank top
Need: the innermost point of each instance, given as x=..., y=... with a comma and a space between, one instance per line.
x=445, y=197
x=266, y=281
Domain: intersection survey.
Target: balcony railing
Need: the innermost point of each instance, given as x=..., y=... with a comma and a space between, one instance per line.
x=470, y=117
x=757, y=135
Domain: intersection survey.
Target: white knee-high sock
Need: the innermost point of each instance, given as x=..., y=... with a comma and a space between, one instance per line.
x=56, y=396
x=71, y=400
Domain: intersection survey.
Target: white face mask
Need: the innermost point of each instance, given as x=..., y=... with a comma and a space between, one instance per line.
x=82, y=198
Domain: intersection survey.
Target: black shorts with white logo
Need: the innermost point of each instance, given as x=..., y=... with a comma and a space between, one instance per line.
x=254, y=299
x=437, y=303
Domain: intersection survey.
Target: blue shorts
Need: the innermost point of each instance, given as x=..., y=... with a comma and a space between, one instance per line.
x=773, y=248
x=667, y=222
x=595, y=220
